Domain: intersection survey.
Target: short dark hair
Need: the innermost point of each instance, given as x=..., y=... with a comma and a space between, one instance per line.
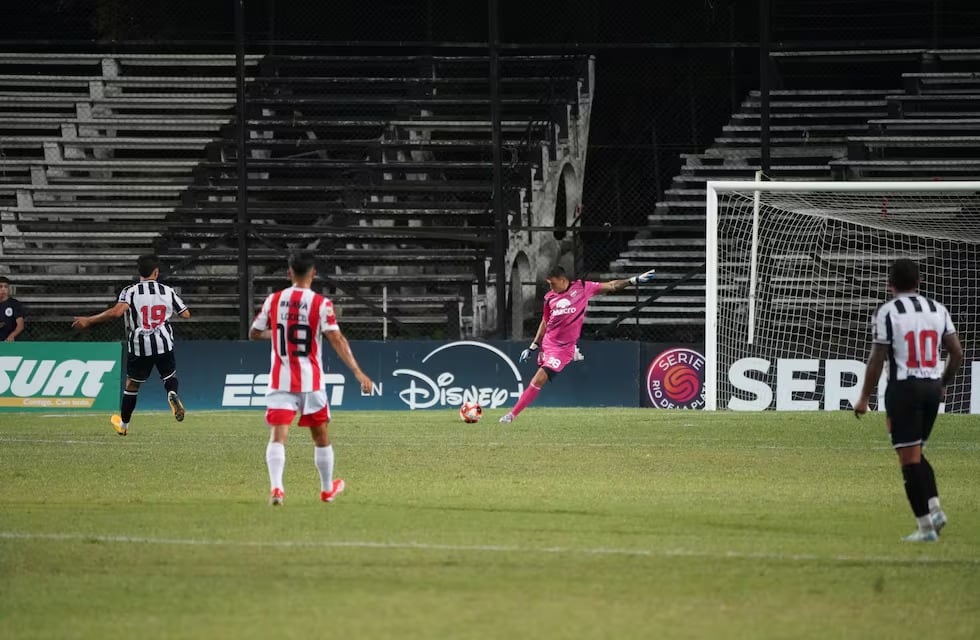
x=301, y=262
x=4, y=280
x=147, y=264
x=557, y=271
x=904, y=275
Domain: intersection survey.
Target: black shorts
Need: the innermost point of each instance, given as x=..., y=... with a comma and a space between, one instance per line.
x=912, y=406
x=139, y=368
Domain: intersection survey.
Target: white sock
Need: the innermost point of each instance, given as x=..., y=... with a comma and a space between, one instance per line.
x=934, y=505
x=323, y=459
x=275, y=459
x=925, y=523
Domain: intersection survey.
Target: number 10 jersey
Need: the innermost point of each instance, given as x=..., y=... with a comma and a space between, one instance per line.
x=913, y=327
x=297, y=319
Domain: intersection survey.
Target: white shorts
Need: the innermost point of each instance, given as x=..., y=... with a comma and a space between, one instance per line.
x=282, y=407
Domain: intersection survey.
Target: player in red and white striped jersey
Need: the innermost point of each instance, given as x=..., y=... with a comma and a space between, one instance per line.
x=294, y=320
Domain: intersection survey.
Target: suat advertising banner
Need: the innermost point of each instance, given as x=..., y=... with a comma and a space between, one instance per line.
x=414, y=375
x=46, y=376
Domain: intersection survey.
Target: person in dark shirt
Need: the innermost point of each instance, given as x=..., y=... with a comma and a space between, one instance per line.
x=11, y=313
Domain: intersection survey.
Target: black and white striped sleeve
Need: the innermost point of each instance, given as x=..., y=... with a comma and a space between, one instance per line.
x=177, y=303
x=948, y=327
x=880, y=327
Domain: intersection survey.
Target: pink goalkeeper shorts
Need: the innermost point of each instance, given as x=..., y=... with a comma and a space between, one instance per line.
x=555, y=358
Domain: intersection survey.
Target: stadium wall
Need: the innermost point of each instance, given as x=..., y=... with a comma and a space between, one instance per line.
x=435, y=375
x=407, y=374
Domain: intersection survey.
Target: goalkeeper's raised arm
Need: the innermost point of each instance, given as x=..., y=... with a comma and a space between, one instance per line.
x=619, y=285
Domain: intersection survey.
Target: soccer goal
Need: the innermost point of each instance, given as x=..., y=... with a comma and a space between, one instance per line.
x=795, y=271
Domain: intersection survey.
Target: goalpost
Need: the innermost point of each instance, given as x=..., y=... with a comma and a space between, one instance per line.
x=795, y=271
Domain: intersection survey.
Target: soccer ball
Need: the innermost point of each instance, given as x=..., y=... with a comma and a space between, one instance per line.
x=470, y=412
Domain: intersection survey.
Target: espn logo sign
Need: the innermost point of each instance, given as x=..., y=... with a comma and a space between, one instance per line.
x=248, y=390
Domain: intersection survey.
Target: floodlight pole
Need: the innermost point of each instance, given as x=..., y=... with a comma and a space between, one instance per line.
x=764, y=156
x=244, y=307
x=499, y=215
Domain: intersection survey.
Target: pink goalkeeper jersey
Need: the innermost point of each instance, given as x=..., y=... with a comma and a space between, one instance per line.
x=297, y=318
x=564, y=313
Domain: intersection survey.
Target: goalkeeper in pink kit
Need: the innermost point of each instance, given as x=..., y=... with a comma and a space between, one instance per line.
x=561, y=326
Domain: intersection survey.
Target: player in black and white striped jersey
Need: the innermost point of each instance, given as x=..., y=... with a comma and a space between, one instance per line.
x=907, y=332
x=147, y=307
x=148, y=330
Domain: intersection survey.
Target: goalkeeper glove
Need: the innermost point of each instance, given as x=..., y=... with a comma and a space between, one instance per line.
x=643, y=278
x=527, y=352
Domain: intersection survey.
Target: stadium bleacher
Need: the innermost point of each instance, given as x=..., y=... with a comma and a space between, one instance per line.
x=380, y=163
x=384, y=164
x=927, y=130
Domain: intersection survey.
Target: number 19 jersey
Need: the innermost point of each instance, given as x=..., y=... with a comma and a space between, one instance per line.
x=148, y=330
x=297, y=318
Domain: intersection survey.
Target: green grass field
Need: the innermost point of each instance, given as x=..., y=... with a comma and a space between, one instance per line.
x=567, y=524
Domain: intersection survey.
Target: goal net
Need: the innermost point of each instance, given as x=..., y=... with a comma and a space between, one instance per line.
x=795, y=272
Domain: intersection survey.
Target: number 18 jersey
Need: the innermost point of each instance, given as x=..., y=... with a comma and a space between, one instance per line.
x=913, y=327
x=297, y=318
